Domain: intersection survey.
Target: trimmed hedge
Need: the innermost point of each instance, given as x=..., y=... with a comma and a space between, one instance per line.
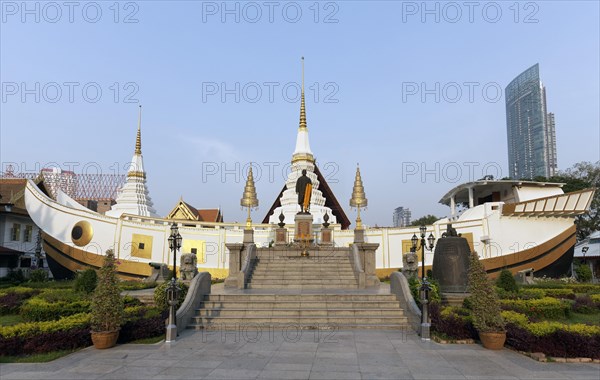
x=46, y=342
x=149, y=325
x=558, y=343
x=529, y=294
x=37, y=309
x=451, y=322
x=74, y=332
x=560, y=293
x=11, y=301
x=547, y=307
x=29, y=329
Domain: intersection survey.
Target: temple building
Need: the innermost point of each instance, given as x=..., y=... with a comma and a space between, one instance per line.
x=184, y=210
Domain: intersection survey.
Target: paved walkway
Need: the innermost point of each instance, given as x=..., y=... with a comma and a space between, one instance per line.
x=292, y=354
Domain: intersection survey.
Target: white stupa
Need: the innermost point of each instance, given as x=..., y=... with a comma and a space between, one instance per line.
x=133, y=198
x=302, y=159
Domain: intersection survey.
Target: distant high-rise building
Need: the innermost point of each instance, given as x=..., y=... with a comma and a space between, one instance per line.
x=530, y=129
x=401, y=217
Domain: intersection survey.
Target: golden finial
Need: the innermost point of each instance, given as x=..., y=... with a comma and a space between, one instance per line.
x=359, y=199
x=302, y=103
x=249, y=198
x=138, y=139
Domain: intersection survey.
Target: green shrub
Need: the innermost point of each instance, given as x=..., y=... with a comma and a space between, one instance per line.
x=560, y=293
x=506, y=295
x=547, y=307
x=37, y=309
x=58, y=295
x=15, y=276
x=160, y=295
x=532, y=293
x=38, y=275
x=136, y=285
x=548, y=327
x=11, y=301
x=585, y=305
x=507, y=282
x=595, y=298
x=584, y=273
x=515, y=318
x=484, y=301
x=86, y=281
x=585, y=288
x=107, y=303
x=33, y=328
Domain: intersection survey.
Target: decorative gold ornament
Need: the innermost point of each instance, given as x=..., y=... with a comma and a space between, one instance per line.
x=249, y=199
x=138, y=138
x=82, y=233
x=359, y=199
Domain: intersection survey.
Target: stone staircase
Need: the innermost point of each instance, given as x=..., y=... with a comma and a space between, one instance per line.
x=317, y=292
x=305, y=311
x=333, y=272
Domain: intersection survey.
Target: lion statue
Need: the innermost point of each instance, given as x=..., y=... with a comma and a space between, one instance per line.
x=410, y=264
x=188, y=266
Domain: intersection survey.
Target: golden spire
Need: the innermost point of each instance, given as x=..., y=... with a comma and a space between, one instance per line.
x=249, y=198
x=302, y=104
x=359, y=199
x=138, y=138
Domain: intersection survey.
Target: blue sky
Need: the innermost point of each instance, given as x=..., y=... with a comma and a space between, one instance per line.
x=406, y=89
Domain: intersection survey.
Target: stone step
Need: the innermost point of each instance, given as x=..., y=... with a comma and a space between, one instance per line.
x=301, y=286
x=320, y=330
x=305, y=267
x=300, y=297
x=300, y=276
x=358, y=305
x=304, y=281
x=299, y=312
x=362, y=320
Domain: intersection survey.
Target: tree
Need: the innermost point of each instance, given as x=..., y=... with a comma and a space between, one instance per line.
x=583, y=175
x=425, y=220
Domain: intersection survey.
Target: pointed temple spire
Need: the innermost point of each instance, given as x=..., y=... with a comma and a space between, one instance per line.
x=138, y=138
x=302, y=151
x=302, y=103
x=133, y=198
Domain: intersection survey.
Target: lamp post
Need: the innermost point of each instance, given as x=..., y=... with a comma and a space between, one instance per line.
x=425, y=286
x=430, y=240
x=172, y=291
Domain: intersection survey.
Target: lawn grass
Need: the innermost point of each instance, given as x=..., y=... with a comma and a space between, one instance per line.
x=588, y=319
x=10, y=320
x=37, y=358
x=156, y=339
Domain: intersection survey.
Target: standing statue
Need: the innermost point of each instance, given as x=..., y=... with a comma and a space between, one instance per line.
x=304, y=191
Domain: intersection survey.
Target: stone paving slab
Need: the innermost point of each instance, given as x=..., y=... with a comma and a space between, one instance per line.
x=355, y=354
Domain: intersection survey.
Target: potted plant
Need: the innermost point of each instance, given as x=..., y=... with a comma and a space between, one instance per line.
x=107, y=305
x=485, y=307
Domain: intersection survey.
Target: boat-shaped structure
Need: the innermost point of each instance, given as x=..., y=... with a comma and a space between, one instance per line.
x=535, y=231
x=511, y=224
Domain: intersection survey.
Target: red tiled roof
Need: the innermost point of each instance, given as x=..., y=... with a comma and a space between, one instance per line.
x=210, y=215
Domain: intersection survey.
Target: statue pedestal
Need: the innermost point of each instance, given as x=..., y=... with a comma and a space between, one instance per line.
x=248, y=235
x=304, y=228
x=327, y=236
x=281, y=236
x=359, y=235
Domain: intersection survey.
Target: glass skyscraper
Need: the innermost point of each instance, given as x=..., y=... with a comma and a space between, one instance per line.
x=530, y=129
